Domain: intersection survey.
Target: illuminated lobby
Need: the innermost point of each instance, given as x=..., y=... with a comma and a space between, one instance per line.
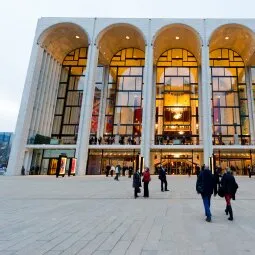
x=139, y=93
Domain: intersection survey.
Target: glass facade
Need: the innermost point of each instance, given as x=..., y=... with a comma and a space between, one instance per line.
x=123, y=116
x=176, y=98
x=229, y=98
x=188, y=89
x=69, y=98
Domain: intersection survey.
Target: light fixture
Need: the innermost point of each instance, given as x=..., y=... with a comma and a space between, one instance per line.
x=104, y=53
x=127, y=37
x=227, y=37
x=177, y=37
x=177, y=116
x=77, y=37
x=181, y=132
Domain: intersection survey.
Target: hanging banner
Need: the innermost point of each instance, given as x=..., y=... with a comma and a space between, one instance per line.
x=73, y=165
x=62, y=170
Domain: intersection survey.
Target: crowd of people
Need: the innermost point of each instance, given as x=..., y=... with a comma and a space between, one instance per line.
x=208, y=183
x=122, y=140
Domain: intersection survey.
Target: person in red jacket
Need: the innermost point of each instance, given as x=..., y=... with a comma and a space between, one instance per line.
x=146, y=180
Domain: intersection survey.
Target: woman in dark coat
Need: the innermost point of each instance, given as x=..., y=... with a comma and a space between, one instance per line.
x=136, y=183
x=146, y=180
x=229, y=187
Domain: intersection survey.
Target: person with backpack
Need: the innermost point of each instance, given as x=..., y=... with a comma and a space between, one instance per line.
x=229, y=187
x=146, y=180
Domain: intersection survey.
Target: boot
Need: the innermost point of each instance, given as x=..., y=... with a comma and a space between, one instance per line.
x=230, y=213
x=226, y=210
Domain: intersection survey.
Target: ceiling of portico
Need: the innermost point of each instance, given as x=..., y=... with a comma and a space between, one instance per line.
x=237, y=38
x=118, y=37
x=61, y=39
x=177, y=36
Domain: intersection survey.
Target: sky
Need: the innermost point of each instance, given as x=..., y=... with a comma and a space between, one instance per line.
x=18, y=21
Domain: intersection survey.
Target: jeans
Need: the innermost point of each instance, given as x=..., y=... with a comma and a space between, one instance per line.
x=207, y=203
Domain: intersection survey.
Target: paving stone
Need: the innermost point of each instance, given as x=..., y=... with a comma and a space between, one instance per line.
x=97, y=215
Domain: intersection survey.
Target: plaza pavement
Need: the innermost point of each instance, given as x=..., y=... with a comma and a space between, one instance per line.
x=97, y=215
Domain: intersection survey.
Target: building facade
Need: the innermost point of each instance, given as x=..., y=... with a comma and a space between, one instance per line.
x=5, y=147
x=175, y=92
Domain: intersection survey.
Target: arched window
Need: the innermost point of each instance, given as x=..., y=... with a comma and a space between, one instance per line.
x=69, y=98
x=176, y=98
x=124, y=96
x=229, y=98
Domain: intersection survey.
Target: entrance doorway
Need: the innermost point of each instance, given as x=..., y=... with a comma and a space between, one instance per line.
x=176, y=163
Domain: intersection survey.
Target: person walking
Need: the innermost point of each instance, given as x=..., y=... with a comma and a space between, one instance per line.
x=136, y=183
x=249, y=171
x=197, y=170
x=162, y=177
x=216, y=176
x=108, y=168
x=112, y=170
x=229, y=187
x=146, y=180
x=204, y=186
x=117, y=172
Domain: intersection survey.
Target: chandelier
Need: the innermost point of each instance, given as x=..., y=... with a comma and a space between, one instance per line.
x=177, y=113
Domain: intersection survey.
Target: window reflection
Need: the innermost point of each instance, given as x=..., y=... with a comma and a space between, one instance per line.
x=229, y=98
x=124, y=100
x=176, y=98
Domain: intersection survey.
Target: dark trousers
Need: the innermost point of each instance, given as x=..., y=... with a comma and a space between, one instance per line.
x=228, y=198
x=116, y=177
x=135, y=192
x=164, y=181
x=207, y=204
x=107, y=173
x=146, y=189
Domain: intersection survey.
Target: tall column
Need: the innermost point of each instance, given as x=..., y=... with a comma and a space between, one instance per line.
x=25, y=112
x=147, y=111
x=206, y=108
x=200, y=108
x=86, y=110
x=153, y=106
x=49, y=92
x=103, y=99
x=53, y=98
x=36, y=111
x=42, y=82
x=250, y=102
x=45, y=96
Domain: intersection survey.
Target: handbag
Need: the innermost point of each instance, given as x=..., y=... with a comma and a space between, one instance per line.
x=221, y=191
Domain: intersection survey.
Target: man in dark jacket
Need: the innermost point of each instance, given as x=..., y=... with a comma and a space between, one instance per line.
x=204, y=186
x=162, y=177
x=136, y=183
x=229, y=186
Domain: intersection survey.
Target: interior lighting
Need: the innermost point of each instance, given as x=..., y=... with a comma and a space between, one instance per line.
x=127, y=37
x=181, y=132
x=177, y=37
x=227, y=37
x=177, y=116
x=77, y=37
